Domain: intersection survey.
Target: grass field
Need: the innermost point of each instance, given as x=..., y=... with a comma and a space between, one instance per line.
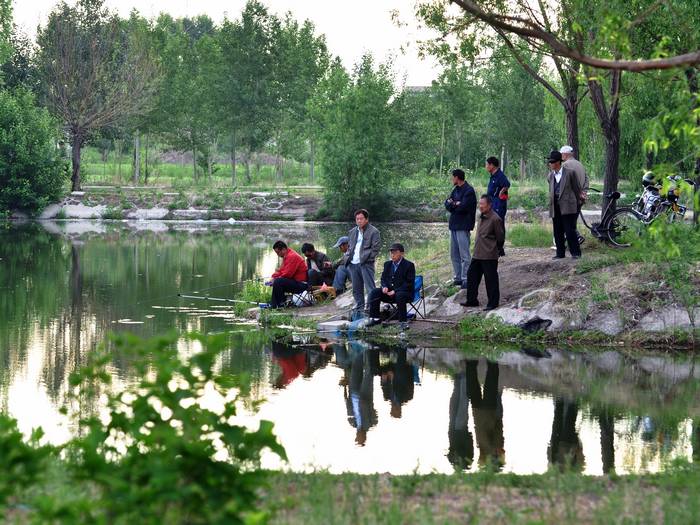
x=551, y=498
x=421, y=188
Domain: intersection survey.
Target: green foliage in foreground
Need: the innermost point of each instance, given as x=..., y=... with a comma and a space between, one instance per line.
x=31, y=170
x=163, y=450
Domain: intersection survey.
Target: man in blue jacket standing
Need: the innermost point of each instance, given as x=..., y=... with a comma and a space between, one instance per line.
x=498, y=187
x=462, y=207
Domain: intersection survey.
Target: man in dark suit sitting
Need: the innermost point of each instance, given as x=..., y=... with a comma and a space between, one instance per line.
x=398, y=279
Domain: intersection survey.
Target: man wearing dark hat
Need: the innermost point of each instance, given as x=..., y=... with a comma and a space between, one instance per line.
x=564, y=201
x=397, y=282
x=341, y=271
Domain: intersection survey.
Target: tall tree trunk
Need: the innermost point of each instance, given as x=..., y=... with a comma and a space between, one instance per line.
x=76, y=146
x=523, y=168
x=145, y=162
x=611, y=174
x=459, y=146
x=609, y=120
x=571, y=112
x=209, y=166
x=278, y=159
x=442, y=145
x=247, y=167
x=312, y=161
x=649, y=160
x=691, y=75
x=503, y=157
x=137, y=157
x=118, y=153
x=194, y=164
x=233, y=159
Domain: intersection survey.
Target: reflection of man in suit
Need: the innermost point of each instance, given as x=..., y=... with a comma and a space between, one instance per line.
x=488, y=414
x=397, y=382
x=360, y=401
x=461, y=451
x=565, y=448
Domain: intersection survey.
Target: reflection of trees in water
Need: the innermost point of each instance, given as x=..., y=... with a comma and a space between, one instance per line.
x=63, y=297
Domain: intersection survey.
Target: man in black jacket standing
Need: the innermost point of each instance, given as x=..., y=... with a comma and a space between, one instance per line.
x=398, y=280
x=462, y=207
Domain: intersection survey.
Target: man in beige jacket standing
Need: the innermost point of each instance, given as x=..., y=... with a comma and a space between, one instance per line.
x=564, y=204
x=570, y=162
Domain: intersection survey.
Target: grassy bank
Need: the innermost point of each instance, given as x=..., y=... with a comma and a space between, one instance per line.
x=493, y=330
x=552, y=498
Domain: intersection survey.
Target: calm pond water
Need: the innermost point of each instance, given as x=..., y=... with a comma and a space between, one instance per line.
x=342, y=405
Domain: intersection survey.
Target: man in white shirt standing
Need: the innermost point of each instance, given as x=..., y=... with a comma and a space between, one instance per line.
x=364, y=242
x=564, y=203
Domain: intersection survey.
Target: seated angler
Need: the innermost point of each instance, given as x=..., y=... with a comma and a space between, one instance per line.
x=342, y=274
x=398, y=279
x=318, y=265
x=291, y=276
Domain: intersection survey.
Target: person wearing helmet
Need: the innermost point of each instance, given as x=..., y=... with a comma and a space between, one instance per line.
x=648, y=179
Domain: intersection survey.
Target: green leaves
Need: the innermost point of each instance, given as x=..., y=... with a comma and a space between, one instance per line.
x=22, y=464
x=32, y=172
x=165, y=449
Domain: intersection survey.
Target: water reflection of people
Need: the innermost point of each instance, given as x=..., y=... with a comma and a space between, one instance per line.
x=461, y=448
x=488, y=414
x=294, y=361
x=397, y=381
x=565, y=448
x=360, y=398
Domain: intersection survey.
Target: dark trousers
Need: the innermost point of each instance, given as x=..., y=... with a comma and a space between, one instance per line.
x=283, y=286
x=565, y=232
x=376, y=297
x=316, y=278
x=488, y=268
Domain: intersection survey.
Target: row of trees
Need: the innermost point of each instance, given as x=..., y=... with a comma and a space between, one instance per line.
x=591, y=44
x=261, y=83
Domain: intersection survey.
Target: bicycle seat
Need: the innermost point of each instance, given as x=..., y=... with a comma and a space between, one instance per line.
x=614, y=195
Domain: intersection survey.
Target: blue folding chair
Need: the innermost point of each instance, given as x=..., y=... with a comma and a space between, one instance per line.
x=414, y=307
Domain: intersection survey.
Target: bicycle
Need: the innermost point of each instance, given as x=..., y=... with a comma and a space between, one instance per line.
x=626, y=224
x=602, y=230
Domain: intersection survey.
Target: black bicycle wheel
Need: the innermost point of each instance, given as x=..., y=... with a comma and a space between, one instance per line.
x=624, y=227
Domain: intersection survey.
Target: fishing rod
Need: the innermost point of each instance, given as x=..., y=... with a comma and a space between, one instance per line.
x=221, y=299
x=199, y=291
x=254, y=279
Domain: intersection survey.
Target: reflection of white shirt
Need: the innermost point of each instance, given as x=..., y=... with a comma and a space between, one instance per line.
x=358, y=247
x=557, y=176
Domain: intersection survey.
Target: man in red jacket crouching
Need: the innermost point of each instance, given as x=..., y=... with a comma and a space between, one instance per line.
x=290, y=278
